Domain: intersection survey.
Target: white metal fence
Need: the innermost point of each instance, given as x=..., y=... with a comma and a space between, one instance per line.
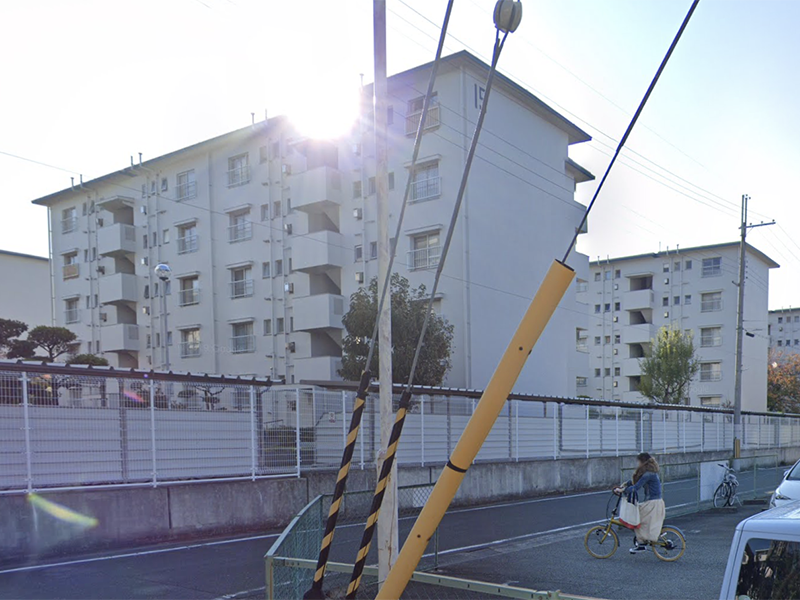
x=64, y=428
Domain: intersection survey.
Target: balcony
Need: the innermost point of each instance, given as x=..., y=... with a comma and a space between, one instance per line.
x=318, y=252
x=323, y=311
x=638, y=334
x=631, y=367
x=240, y=232
x=425, y=189
x=241, y=344
x=638, y=300
x=424, y=258
x=118, y=288
x=116, y=240
x=318, y=368
x=120, y=338
x=72, y=271
x=242, y=288
x=187, y=244
x=317, y=189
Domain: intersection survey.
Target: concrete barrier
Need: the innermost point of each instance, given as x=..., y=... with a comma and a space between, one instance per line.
x=136, y=515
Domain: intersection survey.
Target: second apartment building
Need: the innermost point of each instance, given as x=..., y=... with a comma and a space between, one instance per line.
x=630, y=298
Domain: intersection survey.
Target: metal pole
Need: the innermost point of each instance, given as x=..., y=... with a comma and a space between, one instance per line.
x=641, y=429
x=253, y=432
x=422, y=428
x=555, y=431
x=153, y=429
x=737, y=390
x=664, y=429
x=27, y=427
x=516, y=429
x=587, y=431
x=616, y=430
x=297, y=427
x=344, y=421
x=165, y=327
x=683, y=437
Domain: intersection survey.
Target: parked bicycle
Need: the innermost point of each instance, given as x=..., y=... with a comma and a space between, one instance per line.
x=602, y=541
x=725, y=494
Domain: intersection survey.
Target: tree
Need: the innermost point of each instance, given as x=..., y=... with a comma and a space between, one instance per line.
x=54, y=341
x=87, y=359
x=9, y=330
x=669, y=367
x=783, y=382
x=408, y=314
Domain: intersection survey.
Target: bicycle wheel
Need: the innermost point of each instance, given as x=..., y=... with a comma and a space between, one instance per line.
x=731, y=494
x=601, y=541
x=670, y=545
x=721, y=495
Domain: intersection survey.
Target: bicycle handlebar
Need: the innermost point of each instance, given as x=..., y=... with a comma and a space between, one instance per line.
x=727, y=468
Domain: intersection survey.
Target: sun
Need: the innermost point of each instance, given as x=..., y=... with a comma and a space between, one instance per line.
x=326, y=111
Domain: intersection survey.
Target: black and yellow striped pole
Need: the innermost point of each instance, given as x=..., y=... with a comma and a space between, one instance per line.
x=315, y=591
x=380, y=490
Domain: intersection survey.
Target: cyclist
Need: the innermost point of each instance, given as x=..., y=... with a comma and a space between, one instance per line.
x=651, y=509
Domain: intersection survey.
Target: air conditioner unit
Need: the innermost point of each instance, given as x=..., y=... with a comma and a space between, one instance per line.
x=288, y=228
x=616, y=286
x=359, y=276
x=290, y=347
x=286, y=169
x=146, y=310
x=104, y=317
x=289, y=288
x=99, y=222
x=145, y=261
x=143, y=210
x=358, y=213
x=616, y=319
x=666, y=280
x=101, y=270
x=616, y=351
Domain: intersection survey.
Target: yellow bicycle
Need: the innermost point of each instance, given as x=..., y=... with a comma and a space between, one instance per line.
x=602, y=541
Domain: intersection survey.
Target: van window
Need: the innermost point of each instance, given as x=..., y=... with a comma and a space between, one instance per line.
x=770, y=569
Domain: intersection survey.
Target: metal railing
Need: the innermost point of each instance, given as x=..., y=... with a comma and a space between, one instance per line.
x=189, y=296
x=711, y=305
x=187, y=244
x=190, y=349
x=431, y=121
x=69, y=224
x=72, y=315
x=239, y=176
x=241, y=344
x=71, y=271
x=241, y=288
x=240, y=231
x=186, y=190
x=424, y=258
x=424, y=189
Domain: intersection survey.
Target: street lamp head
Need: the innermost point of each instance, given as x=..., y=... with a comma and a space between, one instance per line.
x=507, y=15
x=163, y=272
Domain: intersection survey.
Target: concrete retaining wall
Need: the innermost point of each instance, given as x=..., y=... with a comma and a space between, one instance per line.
x=128, y=516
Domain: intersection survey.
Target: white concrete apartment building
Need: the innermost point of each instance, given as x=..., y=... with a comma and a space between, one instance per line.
x=631, y=298
x=784, y=330
x=268, y=233
x=25, y=281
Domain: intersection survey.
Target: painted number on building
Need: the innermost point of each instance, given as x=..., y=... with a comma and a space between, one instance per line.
x=480, y=91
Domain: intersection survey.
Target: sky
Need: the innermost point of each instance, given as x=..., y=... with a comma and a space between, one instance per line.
x=88, y=83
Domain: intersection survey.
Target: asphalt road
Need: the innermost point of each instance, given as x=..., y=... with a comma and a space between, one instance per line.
x=234, y=568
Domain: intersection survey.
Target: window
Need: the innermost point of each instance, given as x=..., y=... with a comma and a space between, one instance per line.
x=164, y=184
x=676, y=266
x=607, y=275
x=769, y=570
x=710, y=336
x=71, y=268
x=153, y=187
x=279, y=325
x=425, y=251
x=597, y=372
x=616, y=372
x=276, y=209
x=711, y=371
x=687, y=299
x=169, y=338
x=389, y=115
x=676, y=300
x=155, y=239
x=712, y=267
x=240, y=227
x=666, y=314
x=617, y=339
x=606, y=307
x=372, y=186
x=190, y=342
x=714, y=401
x=144, y=241
x=598, y=276
x=69, y=219
x=780, y=343
x=617, y=274
x=357, y=189
x=711, y=302
x=425, y=183
x=617, y=306
x=189, y=292
x=165, y=236
x=187, y=238
x=665, y=301
x=239, y=170
x=414, y=113
x=580, y=285
x=265, y=212
x=597, y=309
x=359, y=252
x=278, y=268
x=780, y=319
x=607, y=339
x=797, y=342
x=581, y=382
x=607, y=372
x=242, y=338
x=373, y=250
x=263, y=155
x=797, y=319
x=71, y=310
x=688, y=265
x=265, y=270
x=665, y=267
x=241, y=282
x=597, y=340
x=267, y=326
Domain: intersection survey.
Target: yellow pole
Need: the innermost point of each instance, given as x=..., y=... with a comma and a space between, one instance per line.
x=542, y=307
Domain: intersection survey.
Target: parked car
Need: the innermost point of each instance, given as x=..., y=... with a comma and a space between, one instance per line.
x=789, y=489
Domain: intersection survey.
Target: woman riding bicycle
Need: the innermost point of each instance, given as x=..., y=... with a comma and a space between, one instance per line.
x=651, y=509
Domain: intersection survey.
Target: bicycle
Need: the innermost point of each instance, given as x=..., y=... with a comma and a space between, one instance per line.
x=725, y=494
x=601, y=541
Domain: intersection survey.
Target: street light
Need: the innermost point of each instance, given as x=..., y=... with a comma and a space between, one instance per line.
x=163, y=272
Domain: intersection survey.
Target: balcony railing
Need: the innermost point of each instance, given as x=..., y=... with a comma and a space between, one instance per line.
x=424, y=189
x=185, y=191
x=188, y=297
x=189, y=349
x=424, y=258
x=431, y=121
x=71, y=315
x=708, y=376
x=239, y=176
x=243, y=343
x=69, y=224
x=710, y=341
x=242, y=288
x=187, y=244
x=582, y=345
x=71, y=271
x=240, y=232
x=711, y=305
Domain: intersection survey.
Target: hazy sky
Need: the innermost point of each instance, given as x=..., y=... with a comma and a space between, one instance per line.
x=88, y=83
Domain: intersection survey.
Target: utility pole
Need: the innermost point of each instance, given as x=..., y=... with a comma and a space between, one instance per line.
x=737, y=390
x=387, y=519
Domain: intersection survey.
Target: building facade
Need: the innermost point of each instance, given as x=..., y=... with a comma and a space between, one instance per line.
x=26, y=288
x=784, y=330
x=268, y=233
x=630, y=298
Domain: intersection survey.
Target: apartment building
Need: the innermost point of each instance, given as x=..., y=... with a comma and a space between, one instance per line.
x=784, y=330
x=26, y=288
x=268, y=233
x=631, y=298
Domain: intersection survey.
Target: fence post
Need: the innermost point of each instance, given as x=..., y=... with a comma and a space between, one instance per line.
x=297, y=426
x=759, y=431
x=664, y=428
x=344, y=419
x=27, y=427
x=717, y=422
x=253, y=432
x=153, y=429
x=510, y=430
x=641, y=429
x=616, y=431
x=587, y=431
x=422, y=432
x=516, y=429
x=555, y=430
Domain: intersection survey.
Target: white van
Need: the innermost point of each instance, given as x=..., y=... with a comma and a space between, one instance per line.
x=764, y=562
